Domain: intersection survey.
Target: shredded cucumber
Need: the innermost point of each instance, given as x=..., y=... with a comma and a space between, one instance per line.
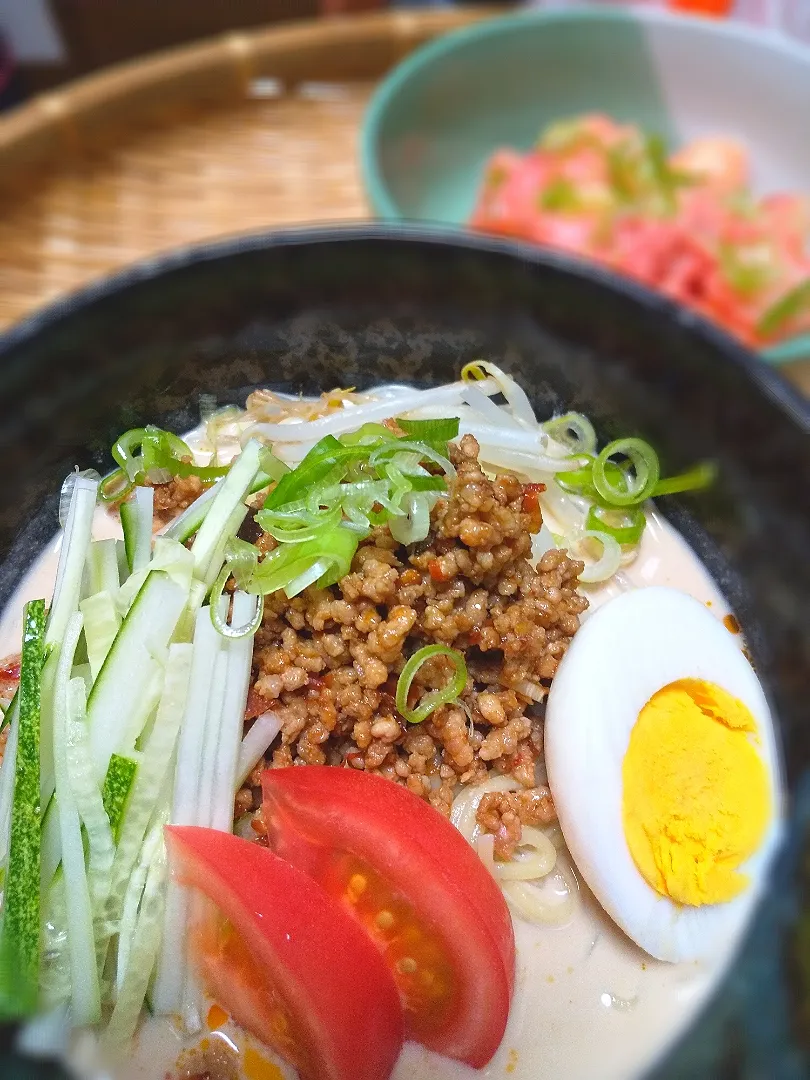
x=229, y=531
x=156, y=762
x=101, y=623
x=87, y=799
x=102, y=568
x=85, y=992
x=116, y=695
x=171, y=973
x=136, y=521
x=20, y=948
x=135, y=969
x=232, y=721
x=118, y=785
x=51, y=844
x=7, y=777
x=169, y=556
x=72, y=558
x=231, y=492
x=55, y=971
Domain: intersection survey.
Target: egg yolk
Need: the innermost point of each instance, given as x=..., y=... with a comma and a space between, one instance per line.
x=696, y=798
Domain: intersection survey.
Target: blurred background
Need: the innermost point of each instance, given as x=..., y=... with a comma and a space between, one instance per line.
x=129, y=128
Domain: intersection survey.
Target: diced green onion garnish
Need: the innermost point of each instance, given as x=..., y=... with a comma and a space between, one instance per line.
x=625, y=526
x=435, y=698
x=574, y=431
x=699, y=476
x=637, y=486
x=160, y=451
x=435, y=433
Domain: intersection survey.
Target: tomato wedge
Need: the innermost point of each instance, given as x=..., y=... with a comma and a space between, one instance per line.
x=417, y=887
x=286, y=960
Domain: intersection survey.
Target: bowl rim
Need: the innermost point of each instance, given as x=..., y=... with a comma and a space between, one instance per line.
x=382, y=202
x=766, y=380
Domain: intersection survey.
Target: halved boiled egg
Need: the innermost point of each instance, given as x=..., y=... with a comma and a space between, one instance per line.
x=662, y=760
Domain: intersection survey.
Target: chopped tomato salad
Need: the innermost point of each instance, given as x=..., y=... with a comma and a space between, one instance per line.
x=419, y=890
x=684, y=223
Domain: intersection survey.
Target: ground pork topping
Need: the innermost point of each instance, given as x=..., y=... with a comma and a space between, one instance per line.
x=328, y=660
x=504, y=812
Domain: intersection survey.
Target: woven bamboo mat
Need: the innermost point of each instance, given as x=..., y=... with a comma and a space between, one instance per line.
x=249, y=131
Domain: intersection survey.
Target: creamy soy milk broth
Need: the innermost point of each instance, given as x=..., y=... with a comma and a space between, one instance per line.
x=588, y=1002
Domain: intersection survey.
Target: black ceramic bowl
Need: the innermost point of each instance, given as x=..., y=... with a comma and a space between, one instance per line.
x=311, y=310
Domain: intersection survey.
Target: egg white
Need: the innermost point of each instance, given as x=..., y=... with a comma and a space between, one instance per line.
x=629, y=649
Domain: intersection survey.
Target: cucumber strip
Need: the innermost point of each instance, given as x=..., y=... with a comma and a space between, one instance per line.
x=101, y=623
x=154, y=768
x=143, y=715
x=8, y=713
x=168, y=555
x=152, y=845
x=230, y=529
x=230, y=495
x=232, y=722
x=55, y=970
x=189, y=522
x=168, y=991
x=87, y=799
x=136, y=969
x=7, y=777
x=85, y=992
x=136, y=521
x=119, y=784
x=196, y=598
x=51, y=845
x=20, y=942
x=46, y=770
x=211, y=743
x=102, y=568
x=121, y=560
x=146, y=630
x=184, y=526
x=72, y=558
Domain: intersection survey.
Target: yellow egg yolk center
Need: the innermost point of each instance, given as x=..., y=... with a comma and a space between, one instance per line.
x=696, y=798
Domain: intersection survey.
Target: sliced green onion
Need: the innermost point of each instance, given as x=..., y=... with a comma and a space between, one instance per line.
x=219, y=619
x=323, y=459
x=366, y=434
x=401, y=446
x=636, y=488
x=434, y=433
x=573, y=430
x=160, y=451
x=435, y=698
x=699, y=476
x=115, y=486
x=608, y=562
x=625, y=526
x=273, y=467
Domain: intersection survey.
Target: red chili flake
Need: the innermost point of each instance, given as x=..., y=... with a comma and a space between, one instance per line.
x=474, y=636
x=437, y=572
x=530, y=501
x=255, y=706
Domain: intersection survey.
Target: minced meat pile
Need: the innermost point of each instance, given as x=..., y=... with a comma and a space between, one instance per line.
x=328, y=660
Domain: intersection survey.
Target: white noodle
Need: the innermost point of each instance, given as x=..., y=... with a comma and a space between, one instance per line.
x=551, y=901
x=350, y=419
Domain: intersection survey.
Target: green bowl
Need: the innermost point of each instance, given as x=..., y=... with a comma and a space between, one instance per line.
x=438, y=116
